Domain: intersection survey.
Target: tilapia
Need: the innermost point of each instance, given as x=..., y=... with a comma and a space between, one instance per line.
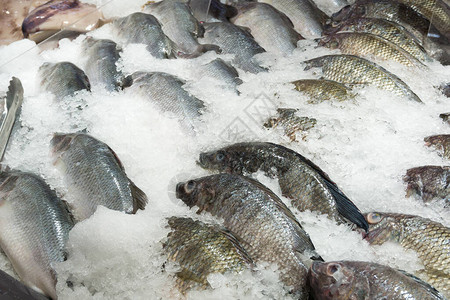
x=441, y=143
x=35, y=226
x=352, y=70
x=320, y=90
x=367, y=44
x=233, y=39
x=140, y=28
x=291, y=123
x=267, y=228
x=180, y=26
x=366, y=280
x=388, y=30
x=223, y=72
x=201, y=250
x=308, y=20
x=63, y=79
x=167, y=93
x=431, y=241
x=94, y=175
x=271, y=28
x=101, y=65
x=11, y=288
x=428, y=183
x=300, y=179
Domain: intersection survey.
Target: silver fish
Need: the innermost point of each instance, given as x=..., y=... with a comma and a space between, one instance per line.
x=223, y=72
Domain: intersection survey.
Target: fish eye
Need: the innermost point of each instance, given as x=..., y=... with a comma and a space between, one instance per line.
x=220, y=156
x=333, y=44
x=374, y=218
x=333, y=268
x=189, y=186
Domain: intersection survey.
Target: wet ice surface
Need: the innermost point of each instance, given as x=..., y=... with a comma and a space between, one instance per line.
x=365, y=145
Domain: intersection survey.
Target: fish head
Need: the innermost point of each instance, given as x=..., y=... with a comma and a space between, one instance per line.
x=336, y=280
x=220, y=160
x=8, y=180
x=437, y=141
x=198, y=192
x=383, y=227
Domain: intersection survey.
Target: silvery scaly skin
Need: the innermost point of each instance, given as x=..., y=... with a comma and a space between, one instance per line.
x=223, y=72
x=271, y=28
x=63, y=79
x=342, y=280
x=35, y=226
x=353, y=70
x=441, y=143
x=201, y=250
x=94, y=175
x=140, y=28
x=431, y=241
x=320, y=90
x=101, y=66
x=428, y=183
x=167, y=93
x=308, y=187
x=367, y=44
x=235, y=40
x=266, y=227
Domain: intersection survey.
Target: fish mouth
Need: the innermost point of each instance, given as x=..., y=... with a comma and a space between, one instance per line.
x=181, y=194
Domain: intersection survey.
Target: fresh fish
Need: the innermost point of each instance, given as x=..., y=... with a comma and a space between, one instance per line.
x=210, y=10
x=385, y=29
x=441, y=143
x=445, y=117
x=431, y=241
x=94, y=175
x=101, y=66
x=223, y=72
x=10, y=288
x=56, y=15
x=202, y=249
x=268, y=229
x=140, y=28
x=180, y=26
x=366, y=280
x=320, y=90
x=63, y=79
x=233, y=39
x=351, y=70
x=291, y=123
x=300, y=179
x=308, y=20
x=167, y=92
x=428, y=183
x=329, y=7
x=445, y=88
x=35, y=226
x=367, y=44
x=271, y=28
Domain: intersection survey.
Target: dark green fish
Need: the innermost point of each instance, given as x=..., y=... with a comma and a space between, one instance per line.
x=428, y=183
x=323, y=90
x=202, y=249
x=291, y=123
x=300, y=179
x=267, y=228
x=431, y=241
x=343, y=280
x=353, y=70
x=441, y=143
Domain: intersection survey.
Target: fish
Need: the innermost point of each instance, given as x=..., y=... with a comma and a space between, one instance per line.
x=101, y=65
x=94, y=175
x=367, y=44
x=353, y=70
x=329, y=7
x=271, y=28
x=200, y=250
x=11, y=288
x=291, y=123
x=56, y=15
x=35, y=226
x=235, y=40
x=428, y=183
x=267, y=228
x=63, y=79
x=308, y=20
x=429, y=239
x=445, y=117
x=320, y=90
x=210, y=10
x=223, y=72
x=167, y=93
x=150, y=33
x=388, y=30
x=180, y=26
x=445, y=88
x=300, y=180
x=366, y=280
x=441, y=143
